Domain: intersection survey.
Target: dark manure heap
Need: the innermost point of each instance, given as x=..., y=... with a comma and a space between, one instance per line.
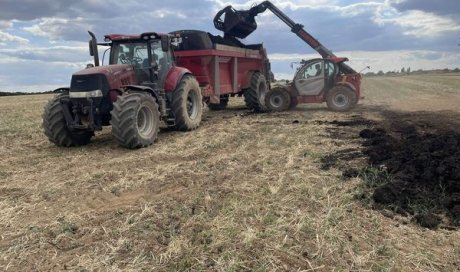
x=424, y=171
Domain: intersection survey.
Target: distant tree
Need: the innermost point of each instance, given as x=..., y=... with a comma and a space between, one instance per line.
x=456, y=70
x=380, y=73
x=408, y=70
x=370, y=74
x=403, y=70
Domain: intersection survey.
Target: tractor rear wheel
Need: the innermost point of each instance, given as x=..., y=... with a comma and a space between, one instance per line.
x=55, y=125
x=254, y=97
x=135, y=120
x=222, y=105
x=187, y=104
x=341, y=98
x=278, y=99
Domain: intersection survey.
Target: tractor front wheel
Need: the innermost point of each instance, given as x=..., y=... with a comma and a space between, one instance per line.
x=55, y=125
x=341, y=98
x=135, y=120
x=278, y=99
x=187, y=104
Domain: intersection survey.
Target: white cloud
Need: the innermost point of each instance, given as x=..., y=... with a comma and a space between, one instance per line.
x=58, y=28
x=6, y=37
x=5, y=24
x=416, y=22
x=64, y=54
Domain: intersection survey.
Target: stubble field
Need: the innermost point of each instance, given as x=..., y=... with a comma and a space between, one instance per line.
x=291, y=191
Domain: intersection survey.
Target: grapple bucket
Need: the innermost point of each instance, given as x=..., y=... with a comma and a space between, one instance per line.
x=236, y=23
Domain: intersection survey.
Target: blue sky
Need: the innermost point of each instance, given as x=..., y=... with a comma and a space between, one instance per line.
x=43, y=42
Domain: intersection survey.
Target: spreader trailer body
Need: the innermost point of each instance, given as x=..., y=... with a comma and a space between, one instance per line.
x=224, y=68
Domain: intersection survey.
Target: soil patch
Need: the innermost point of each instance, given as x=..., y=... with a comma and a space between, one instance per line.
x=425, y=172
x=412, y=167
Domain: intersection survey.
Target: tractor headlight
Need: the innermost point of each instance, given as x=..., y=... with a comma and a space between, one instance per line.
x=90, y=94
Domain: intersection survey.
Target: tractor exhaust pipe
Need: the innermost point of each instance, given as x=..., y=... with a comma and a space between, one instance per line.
x=93, y=48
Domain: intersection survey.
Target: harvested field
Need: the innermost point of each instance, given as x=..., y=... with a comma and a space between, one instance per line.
x=373, y=189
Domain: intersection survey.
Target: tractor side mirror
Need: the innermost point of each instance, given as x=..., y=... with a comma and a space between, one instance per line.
x=165, y=43
x=91, y=52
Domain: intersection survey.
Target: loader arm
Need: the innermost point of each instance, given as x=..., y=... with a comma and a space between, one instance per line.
x=241, y=23
x=296, y=28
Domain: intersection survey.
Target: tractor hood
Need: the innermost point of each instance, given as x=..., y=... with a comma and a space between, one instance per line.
x=109, y=70
x=102, y=78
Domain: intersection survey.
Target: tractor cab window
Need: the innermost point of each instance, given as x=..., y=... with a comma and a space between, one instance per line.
x=129, y=53
x=314, y=69
x=329, y=69
x=330, y=72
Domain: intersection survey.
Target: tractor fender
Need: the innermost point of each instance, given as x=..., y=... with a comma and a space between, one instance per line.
x=174, y=77
x=62, y=90
x=139, y=88
x=145, y=89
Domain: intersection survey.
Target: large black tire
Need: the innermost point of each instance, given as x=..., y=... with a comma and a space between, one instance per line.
x=221, y=106
x=341, y=98
x=278, y=99
x=55, y=125
x=254, y=97
x=187, y=105
x=135, y=120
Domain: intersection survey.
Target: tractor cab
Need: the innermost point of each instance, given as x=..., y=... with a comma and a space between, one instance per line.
x=148, y=54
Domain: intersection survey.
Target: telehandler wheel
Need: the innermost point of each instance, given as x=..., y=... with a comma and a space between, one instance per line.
x=55, y=125
x=135, y=120
x=278, y=99
x=187, y=104
x=222, y=105
x=254, y=97
x=341, y=98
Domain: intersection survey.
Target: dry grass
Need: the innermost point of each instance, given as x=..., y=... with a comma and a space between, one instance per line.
x=243, y=192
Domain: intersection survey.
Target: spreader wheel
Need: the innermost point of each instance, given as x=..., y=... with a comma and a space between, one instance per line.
x=254, y=97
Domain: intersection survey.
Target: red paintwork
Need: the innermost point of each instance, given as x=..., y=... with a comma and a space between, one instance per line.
x=353, y=81
x=116, y=74
x=200, y=63
x=337, y=59
x=310, y=99
x=174, y=76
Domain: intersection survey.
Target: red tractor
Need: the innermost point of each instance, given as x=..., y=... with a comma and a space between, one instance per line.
x=140, y=88
x=327, y=79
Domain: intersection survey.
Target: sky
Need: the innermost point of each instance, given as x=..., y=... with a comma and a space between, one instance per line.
x=42, y=43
